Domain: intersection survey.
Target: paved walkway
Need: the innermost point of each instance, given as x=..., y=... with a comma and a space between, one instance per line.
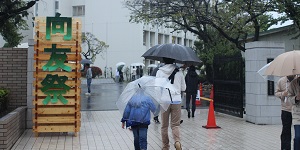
x=101, y=130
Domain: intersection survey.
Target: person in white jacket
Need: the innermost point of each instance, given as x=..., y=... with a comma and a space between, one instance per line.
x=171, y=71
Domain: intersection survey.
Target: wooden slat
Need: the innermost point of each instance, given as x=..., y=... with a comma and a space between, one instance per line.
x=72, y=65
x=68, y=74
x=70, y=83
x=41, y=47
x=71, y=102
x=46, y=56
x=60, y=119
x=71, y=92
x=53, y=128
x=55, y=110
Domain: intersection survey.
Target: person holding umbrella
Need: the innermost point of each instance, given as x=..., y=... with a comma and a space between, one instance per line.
x=137, y=116
x=294, y=98
x=286, y=107
x=89, y=76
x=171, y=72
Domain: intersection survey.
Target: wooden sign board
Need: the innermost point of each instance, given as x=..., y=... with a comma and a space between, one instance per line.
x=57, y=75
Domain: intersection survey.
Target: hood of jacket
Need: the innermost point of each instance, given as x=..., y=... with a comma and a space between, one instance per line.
x=168, y=68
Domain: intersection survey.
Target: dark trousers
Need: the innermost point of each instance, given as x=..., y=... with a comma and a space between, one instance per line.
x=286, y=118
x=188, y=100
x=89, y=82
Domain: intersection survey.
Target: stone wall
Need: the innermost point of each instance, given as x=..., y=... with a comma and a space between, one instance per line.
x=13, y=75
x=12, y=127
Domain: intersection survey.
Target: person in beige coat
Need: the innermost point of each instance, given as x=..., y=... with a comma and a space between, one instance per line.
x=286, y=108
x=173, y=113
x=294, y=98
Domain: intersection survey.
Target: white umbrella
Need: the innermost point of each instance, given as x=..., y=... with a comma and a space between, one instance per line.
x=152, y=65
x=285, y=64
x=120, y=63
x=137, y=64
x=262, y=71
x=157, y=88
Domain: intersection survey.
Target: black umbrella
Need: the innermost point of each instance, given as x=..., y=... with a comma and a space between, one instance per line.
x=180, y=53
x=86, y=61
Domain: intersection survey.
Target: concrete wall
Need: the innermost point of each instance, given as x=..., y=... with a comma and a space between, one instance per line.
x=30, y=79
x=13, y=75
x=12, y=127
x=261, y=108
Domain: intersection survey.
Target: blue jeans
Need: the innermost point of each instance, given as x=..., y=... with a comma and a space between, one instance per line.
x=140, y=137
x=297, y=137
x=89, y=81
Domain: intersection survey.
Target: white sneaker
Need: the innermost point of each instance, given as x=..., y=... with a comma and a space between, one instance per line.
x=88, y=94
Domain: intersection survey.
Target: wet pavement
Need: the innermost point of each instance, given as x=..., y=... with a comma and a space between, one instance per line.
x=104, y=94
x=101, y=130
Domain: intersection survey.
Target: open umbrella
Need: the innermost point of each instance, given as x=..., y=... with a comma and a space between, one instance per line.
x=86, y=61
x=120, y=67
x=120, y=63
x=180, y=53
x=152, y=66
x=156, y=88
x=137, y=64
x=262, y=71
x=285, y=64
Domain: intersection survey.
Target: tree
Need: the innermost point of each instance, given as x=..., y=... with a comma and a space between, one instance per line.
x=232, y=20
x=292, y=10
x=12, y=13
x=94, y=46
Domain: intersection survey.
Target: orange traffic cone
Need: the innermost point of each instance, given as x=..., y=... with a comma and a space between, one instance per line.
x=211, y=96
x=211, y=120
x=200, y=89
x=198, y=102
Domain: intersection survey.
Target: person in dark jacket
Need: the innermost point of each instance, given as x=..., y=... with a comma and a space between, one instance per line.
x=192, y=81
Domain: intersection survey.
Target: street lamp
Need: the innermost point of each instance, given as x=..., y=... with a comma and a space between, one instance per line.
x=184, y=30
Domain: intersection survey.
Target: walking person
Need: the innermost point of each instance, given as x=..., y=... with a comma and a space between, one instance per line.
x=133, y=73
x=137, y=72
x=286, y=107
x=294, y=99
x=89, y=76
x=141, y=71
x=137, y=116
x=171, y=72
x=192, y=81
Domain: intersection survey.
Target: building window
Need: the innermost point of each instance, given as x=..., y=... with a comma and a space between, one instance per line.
x=152, y=39
x=144, y=37
x=160, y=38
x=36, y=9
x=78, y=10
x=56, y=5
x=174, y=39
x=179, y=40
x=167, y=39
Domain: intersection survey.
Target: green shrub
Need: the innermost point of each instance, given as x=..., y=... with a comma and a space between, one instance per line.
x=3, y=92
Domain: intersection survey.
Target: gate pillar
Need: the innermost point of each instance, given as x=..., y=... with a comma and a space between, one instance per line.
x=262, y=107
